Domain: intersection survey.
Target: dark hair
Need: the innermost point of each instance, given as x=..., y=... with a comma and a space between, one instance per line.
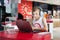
x=20, y=16
x=46, y=11
x=35, y=8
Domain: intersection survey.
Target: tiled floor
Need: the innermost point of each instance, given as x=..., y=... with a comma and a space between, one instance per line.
x=56, y=33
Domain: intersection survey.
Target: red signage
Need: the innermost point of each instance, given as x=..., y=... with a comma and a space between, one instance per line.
x=25, y=8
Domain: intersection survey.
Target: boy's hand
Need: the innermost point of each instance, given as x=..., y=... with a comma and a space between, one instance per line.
x=43, y=30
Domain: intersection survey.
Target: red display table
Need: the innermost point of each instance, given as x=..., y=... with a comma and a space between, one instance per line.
x=25, y=36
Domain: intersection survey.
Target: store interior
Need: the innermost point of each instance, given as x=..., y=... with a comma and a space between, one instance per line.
x=24, y=9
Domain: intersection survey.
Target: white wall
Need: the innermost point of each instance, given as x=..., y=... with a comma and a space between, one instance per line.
x=56, y=2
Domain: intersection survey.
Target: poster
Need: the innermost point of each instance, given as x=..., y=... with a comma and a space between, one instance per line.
x=25, y=8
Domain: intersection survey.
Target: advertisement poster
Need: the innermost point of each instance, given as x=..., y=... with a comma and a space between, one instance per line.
x=25, y=8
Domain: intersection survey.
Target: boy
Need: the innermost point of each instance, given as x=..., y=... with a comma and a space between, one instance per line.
x=38, y=20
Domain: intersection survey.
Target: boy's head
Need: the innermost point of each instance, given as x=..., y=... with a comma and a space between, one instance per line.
x=36, y=13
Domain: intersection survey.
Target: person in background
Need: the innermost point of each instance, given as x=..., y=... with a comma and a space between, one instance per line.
x=38, y=20
x=46, y=14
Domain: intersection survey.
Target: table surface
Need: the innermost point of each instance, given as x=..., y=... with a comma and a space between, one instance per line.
x=23, y=36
